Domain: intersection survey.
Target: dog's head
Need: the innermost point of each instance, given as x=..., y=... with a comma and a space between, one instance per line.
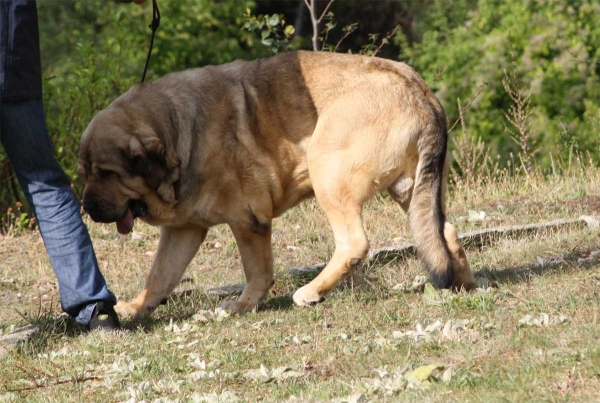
x=129, y=166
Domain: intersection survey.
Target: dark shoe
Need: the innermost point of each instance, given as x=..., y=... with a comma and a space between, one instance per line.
x=104, y=318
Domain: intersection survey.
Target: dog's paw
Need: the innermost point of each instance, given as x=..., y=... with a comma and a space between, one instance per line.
x=237, y=306
x=307, y=296
x=130, y=310
x=464, y=282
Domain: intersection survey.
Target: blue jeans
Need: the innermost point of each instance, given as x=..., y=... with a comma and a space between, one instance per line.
x=24, y=135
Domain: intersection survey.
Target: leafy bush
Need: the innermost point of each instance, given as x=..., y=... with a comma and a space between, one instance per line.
x=557, y=54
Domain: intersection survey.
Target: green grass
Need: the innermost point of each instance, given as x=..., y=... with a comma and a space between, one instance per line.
x=343, y=346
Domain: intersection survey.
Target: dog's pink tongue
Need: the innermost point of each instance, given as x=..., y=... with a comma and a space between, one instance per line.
x=125, y=224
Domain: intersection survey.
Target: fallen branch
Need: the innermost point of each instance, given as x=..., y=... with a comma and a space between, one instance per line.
x=55, y=383
x=11, y=340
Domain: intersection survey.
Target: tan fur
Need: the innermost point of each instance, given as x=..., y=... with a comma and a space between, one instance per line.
x=243, y=142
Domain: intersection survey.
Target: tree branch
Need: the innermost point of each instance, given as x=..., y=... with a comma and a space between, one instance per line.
x=344, y=37
x=467, y=106
x=310, y=4
x=325, y=11
x=384, y=41
x=312, y=9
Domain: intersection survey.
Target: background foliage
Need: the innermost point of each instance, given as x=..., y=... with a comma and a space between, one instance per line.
x=556, y=47
x=93, y=51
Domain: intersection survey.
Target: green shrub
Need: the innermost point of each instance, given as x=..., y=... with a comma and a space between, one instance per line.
x=557, y=54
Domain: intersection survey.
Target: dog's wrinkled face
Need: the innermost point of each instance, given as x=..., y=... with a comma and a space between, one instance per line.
x=123, y=165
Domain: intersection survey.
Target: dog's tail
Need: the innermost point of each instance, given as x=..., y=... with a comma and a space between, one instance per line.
x=426, y=214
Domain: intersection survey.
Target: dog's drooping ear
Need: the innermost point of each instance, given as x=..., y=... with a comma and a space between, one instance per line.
x=158, y=164
x=137, y=152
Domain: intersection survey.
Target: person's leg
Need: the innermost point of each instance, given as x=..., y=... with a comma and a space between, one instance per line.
x=24, y=135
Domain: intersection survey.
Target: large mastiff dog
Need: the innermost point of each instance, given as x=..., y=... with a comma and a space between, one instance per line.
x=243, y=142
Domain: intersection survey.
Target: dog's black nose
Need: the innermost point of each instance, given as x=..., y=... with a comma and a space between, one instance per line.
x=88, y=205
x=99, y=210
x=91, y=207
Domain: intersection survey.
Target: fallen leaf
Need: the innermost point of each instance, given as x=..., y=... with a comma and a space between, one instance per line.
x=265, y=375
x=447, y=376
x=543, y=320
x=216, y=315
x=424, y=373
x=226, y=396
x=353, y=398
x=476, y=215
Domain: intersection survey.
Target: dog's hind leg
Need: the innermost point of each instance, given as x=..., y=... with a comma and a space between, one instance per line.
x=176, y=249
x=463, y=276
x=341, y=191
x=254, y=243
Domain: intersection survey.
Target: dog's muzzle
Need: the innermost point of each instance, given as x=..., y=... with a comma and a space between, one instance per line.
x=100, y=210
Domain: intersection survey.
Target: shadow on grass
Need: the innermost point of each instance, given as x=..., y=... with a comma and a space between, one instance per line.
x=522, y=274
x=278, y=303
x=183, y=304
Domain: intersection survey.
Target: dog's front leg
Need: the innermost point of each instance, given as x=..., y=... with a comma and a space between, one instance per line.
x=254, y=244
x=176, y=249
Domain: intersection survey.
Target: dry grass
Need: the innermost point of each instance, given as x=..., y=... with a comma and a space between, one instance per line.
x=339, y=343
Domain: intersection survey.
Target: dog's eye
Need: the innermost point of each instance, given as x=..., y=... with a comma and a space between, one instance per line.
x=103, y=173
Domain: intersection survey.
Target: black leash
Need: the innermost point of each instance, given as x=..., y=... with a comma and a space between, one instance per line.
x=153, y=26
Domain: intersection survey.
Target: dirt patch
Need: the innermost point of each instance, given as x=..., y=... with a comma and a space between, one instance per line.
x=589, y=204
